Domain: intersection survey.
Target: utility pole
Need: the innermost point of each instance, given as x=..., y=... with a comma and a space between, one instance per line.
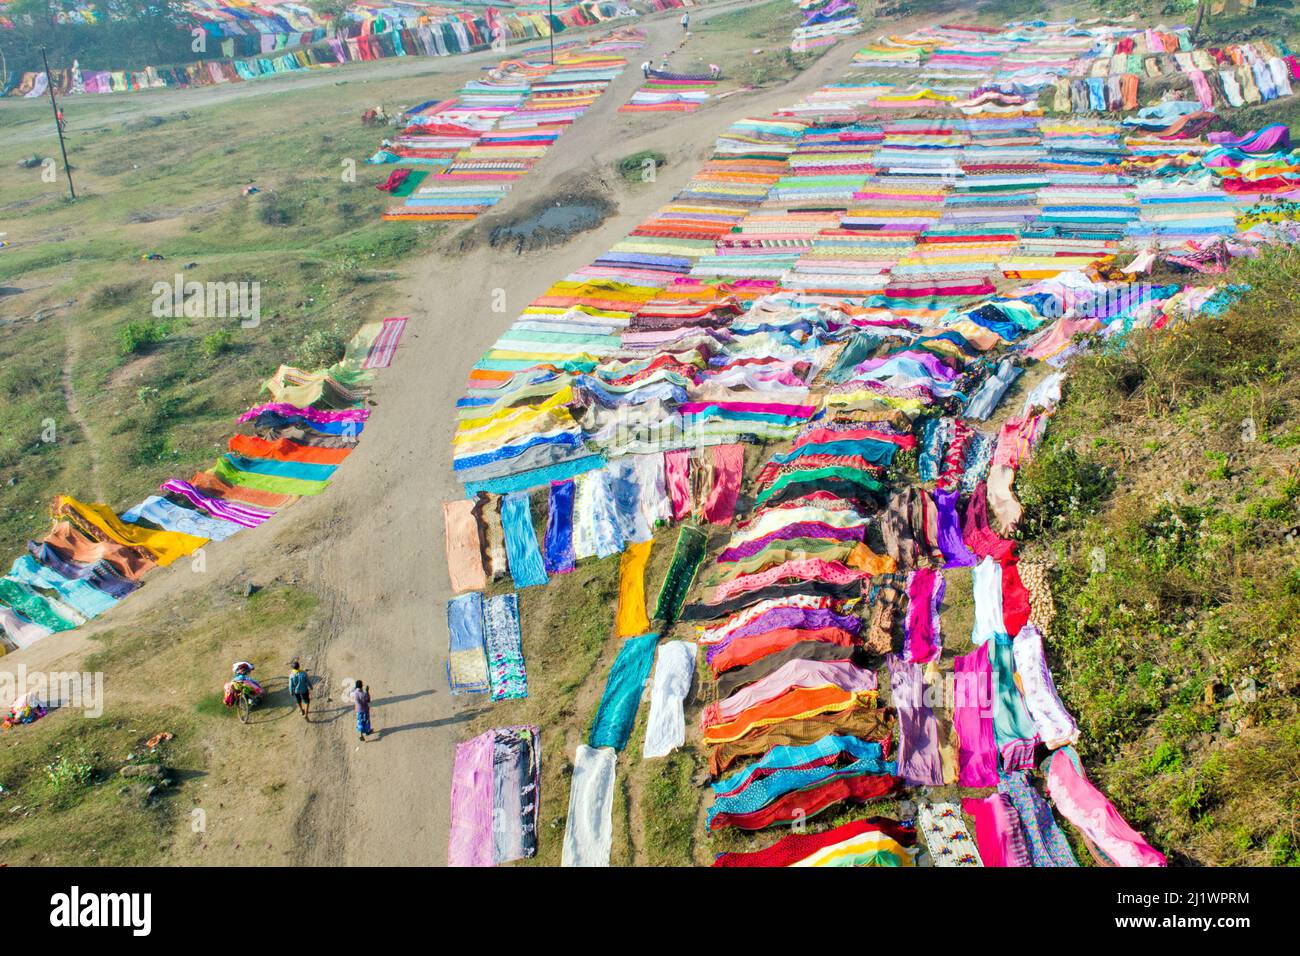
x=550, y=21
x=58, y=124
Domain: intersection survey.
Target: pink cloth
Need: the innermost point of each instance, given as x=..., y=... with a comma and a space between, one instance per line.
x=997, y=831
x=310, y=414
x=470, y=842
x=972, y=718
x=1084, y=806
x=728, y=466
x=924, y=592
x=677, y=472
x=806, y=569
x=1058, y=338
x=794, y=674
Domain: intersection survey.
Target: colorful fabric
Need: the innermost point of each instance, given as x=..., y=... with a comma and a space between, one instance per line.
x=622, y=695
x=504, y=647
x=630, y=617
x=525, y=557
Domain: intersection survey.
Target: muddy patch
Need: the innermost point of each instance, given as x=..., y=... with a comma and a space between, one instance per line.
x=551, y=223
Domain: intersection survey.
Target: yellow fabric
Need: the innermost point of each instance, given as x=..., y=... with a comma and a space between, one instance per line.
x=166, y=546
x=843, y=854
x=631, y=619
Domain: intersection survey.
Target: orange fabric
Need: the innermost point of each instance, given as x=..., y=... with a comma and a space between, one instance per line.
x=285, y=450
x=748, y=649
x=864, y=559
x=210, y=484
x=72, y=545
x=799, y=704
x=464, y=546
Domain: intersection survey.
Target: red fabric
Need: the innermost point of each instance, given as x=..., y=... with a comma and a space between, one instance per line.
x=395, y=179
x=1015, y=598
x=799, y=846
x=807, y=803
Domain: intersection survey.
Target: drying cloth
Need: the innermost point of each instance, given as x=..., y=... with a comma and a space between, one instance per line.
x=972, y=717
x=464, y=546
x=1047, y=844
x=944, y=831
x=164, y=546
x=1012, y=728
x=516, y=776
x=588, y=832
x=1084, y=806
x=728, y=465
x=692, y=544
x=630, y=618
x=925, y=593
x=505, y=653
x=677, y=474
x=997, y=830
x=623, y=689
x=525, y=556
x=666, y=723
x=918, y=731
x=1053, y=723
x=559, y=528
x=467, y=670
x=986, y=582
x=470, y=843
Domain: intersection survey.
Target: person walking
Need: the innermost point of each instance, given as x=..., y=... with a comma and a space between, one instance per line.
x=686, y=22
x=300, y=687
x=361, y=700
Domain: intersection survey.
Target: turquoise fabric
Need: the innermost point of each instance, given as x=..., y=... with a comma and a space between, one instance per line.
x=522, y=550
x=617, y=712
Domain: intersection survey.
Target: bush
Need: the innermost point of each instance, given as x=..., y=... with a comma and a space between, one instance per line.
x=217, y=343
x=321, y=348
x=1058, y=487
x=71, y=772
x=633, y=168
x=140, y=335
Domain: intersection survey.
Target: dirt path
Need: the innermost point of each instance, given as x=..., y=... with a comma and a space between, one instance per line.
x=72, y=350
x=372, y=546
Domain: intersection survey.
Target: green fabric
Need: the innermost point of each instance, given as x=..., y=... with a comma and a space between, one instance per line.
x=409, y=186
x=692, y=543
x=32, y=606
x=281, y=486
x=817, y=474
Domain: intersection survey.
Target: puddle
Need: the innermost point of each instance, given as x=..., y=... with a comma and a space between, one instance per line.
x=551, y=225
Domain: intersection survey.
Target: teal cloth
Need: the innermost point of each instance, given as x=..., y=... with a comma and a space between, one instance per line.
x=522, y=550
x=617, y=712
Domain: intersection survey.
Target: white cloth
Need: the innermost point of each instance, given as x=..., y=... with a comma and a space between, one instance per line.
x=589, y=832
x=666, y=726
x=986, y=579
x=1052, y=721
x=22, y=632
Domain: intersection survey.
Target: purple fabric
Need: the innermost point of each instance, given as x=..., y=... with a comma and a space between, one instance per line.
x=245, y=515
x=925, y=592
x=802, y=618
x=918, y=732
x=955, y=552
x=470, y=842
x=800, y=529
x=1265, y=140
x=310, y=414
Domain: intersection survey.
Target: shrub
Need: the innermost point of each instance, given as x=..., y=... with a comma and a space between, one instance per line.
x=321, y=348
x=217, y=343
x=1059, y=487
x=140, y=335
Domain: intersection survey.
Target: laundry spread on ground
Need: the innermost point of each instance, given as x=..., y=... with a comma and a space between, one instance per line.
x=285, y=448
x=865, y=275
x=666, y=92
x=824, y=22
x=373, y=33
x=476, y=145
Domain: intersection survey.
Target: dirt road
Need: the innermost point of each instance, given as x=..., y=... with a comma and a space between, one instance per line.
x=372, y=545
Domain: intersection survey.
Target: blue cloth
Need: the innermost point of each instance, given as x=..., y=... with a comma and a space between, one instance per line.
x=85, y=599
x=465, y=636
x=623, y=689
x=559, y=528
x=525, y=556
x=985, y=400
x=363, y=722
x=172, y=517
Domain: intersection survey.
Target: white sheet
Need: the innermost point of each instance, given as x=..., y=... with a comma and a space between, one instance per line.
x=666, y=726
x=589, y=832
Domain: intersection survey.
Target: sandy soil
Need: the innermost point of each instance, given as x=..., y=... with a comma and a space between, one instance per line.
x=372, y=545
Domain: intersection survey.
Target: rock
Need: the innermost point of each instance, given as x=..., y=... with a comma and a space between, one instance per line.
x=151, y=771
